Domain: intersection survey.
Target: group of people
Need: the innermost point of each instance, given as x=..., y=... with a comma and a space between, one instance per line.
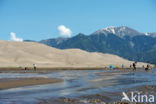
x=26, y=68
x=134, y=66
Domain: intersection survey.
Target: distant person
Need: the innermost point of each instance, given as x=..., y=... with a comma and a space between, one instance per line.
x=122, y=66
x=20, y=67
x=134, y=66
x=26, y=68
x=147, y=67
x=34, y=67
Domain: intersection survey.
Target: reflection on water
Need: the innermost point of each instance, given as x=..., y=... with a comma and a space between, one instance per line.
x=76, y=83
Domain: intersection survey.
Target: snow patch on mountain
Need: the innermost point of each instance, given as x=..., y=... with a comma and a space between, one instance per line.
x=147, y=34
x=110, y=29
x=121, y=31
x=151, y=34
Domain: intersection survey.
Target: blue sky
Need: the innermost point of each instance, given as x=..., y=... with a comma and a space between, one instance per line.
x=40, y=19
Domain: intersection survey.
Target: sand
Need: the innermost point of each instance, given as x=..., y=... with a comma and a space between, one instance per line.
x=15, y=82
x=25, y=54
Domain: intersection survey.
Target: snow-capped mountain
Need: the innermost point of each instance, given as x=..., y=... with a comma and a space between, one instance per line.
x=119, y=31
x=122, y=31
x=151, y=34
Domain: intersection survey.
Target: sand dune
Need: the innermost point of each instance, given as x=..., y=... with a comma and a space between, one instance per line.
x=14, y=54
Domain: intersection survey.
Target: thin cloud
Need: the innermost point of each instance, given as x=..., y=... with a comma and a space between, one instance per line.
x=14, y=38
x=64, y=31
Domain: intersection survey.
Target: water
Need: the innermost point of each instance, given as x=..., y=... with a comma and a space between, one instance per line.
x=76, y=83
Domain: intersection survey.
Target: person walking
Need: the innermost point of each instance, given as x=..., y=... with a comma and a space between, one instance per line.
x=134, y=66
x=20, y=67
x=122, y=66
x=147, y=67
x=34, y=67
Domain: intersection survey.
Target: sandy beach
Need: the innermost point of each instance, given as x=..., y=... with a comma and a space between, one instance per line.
x=51, y=69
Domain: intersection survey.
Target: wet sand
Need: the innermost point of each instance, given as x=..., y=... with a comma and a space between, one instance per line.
x=53, y=69
x=16, y=82
x=119, y=71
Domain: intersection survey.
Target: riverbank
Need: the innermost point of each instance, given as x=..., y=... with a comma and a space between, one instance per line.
x=49, y=69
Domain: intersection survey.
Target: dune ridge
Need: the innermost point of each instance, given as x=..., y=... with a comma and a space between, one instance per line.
x=14, y=54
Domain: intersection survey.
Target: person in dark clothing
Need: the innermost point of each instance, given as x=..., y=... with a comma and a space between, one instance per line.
x=147, y=67
x=134, y=66
x=26, y=68
x=34, y=67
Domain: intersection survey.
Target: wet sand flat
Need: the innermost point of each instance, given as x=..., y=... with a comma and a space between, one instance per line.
x=16, y=82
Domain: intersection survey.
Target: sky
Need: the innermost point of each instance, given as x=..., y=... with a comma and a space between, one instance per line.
x=42, y=19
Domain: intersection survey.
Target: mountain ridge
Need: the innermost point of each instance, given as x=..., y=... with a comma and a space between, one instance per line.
x=123, y=41
x=122, y=31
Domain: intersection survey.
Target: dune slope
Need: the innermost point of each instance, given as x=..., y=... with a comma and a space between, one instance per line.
x=14, y=54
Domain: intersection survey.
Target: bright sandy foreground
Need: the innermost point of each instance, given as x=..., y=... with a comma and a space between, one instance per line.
x=13, y=83
x=15, y=54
